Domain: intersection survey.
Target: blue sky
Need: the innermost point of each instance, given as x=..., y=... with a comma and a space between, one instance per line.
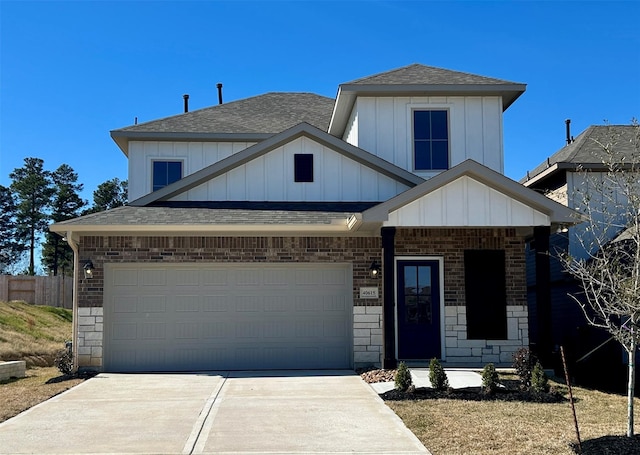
x=72, y=71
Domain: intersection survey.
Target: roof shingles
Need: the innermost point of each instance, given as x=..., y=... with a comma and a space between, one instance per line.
x=417, y=74
x=264, y=114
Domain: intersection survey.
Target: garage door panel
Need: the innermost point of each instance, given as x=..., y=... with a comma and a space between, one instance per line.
x=153, y=277
x=216, y=303
x=214, y=277
x=186, y=303
x=125, y=278
x=124, y=331
x=151, y=304
x=124, y=304
x=233, y=316
x=249, y=303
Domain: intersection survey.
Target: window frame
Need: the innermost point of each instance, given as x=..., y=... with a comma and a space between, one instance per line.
x=429, y=108
x=164, y=160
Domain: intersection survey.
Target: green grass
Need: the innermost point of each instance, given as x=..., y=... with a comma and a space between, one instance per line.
x=32, y=333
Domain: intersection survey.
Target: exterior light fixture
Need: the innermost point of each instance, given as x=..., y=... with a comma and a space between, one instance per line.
x=374, y=269
x=562, y=229
x=88, y=269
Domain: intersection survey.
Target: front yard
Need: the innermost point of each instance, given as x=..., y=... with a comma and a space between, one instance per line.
x=40, y=384
x=451, y=426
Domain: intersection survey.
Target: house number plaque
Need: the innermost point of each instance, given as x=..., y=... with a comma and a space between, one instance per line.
x=369, y=293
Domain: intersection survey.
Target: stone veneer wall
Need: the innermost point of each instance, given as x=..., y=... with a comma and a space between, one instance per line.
x=459, y=350
x=358, y=251
x=90, y=340
x=367, y=336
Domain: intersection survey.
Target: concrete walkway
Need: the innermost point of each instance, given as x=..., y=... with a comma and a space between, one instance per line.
x=202, y=413
x=460, y=379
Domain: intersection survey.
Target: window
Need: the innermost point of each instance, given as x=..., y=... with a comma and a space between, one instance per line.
x=486, y=294
x=303, y=167
x=430, y=140
x=165, y=173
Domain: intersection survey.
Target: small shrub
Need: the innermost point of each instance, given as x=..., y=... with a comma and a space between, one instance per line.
x=523, y=362
x=64, y=361
x=437, y=376
x=539, y=380
x=490, y=378
x=403, y=378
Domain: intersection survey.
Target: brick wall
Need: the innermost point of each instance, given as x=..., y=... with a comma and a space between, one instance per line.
x=451, y=243
x=359, y=251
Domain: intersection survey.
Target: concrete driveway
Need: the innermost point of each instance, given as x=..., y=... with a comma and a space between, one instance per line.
x=212, y=412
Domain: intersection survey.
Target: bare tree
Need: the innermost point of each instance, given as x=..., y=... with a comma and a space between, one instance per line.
x=609, y=269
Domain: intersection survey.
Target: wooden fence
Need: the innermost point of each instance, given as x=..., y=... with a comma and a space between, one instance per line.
x=54, y=291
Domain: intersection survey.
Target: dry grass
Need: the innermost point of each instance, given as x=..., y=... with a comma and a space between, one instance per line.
x=32, y=333
x=40, y=384
x=451, y=427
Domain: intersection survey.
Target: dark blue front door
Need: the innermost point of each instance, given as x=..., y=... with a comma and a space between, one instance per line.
x=418, y=298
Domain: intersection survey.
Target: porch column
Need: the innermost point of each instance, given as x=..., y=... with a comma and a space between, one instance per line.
x=388, y=253
x=543, y=295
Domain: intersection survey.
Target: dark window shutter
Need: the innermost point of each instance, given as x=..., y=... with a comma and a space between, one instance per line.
x=486, y=295
x=303, y=167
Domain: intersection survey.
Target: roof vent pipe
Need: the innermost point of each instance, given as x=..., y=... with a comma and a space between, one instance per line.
x=186, y=102
x=569, y=137
x=219, y=85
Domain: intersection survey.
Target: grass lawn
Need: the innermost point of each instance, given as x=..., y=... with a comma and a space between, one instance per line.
x=449, y=427
x=33, y=333
x=40, y=384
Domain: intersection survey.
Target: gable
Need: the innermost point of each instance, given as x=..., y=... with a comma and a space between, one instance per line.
x=470, y=195
x=249, y=173
x=271, y=177
x=467, y=202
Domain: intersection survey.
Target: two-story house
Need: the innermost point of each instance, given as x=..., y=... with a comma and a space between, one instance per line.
x=291, y=230
x=576, y=176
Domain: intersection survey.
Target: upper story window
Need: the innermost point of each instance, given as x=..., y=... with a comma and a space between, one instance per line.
x=430, y=140
x=165, y=173
x=303, y=167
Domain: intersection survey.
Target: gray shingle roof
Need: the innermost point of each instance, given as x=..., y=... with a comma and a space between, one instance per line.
x=267, y=114
x=587, y=148
x=421, y=74
x=173, y=216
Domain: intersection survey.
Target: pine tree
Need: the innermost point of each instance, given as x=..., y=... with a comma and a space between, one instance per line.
x=109, y=195
x=65, y=204
x=9, y=248
x=32, y=189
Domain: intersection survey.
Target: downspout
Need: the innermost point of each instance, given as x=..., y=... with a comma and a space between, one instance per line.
x=74, y=311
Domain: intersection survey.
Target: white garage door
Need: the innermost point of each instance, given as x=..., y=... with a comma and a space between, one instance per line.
x=185, y=317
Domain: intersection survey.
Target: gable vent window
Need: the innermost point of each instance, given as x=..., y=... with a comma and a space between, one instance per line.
x=430, y=140
x=303, y=167
x=165, y=173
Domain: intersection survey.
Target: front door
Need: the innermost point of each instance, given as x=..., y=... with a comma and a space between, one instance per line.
x=418, y=309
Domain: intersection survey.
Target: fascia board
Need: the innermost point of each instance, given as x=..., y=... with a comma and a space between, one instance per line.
x=347, y=94
x=575, y=167
x=337, y=227
x=271, y=143
x=123, y=137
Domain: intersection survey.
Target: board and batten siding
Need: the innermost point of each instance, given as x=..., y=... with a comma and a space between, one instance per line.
x=604, y=198
x=194, y=155
x=469, y=203
x=270, y=177
x=382, y=126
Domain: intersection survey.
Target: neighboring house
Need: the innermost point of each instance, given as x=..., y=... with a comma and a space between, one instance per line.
x=555, y=319
x=256, y=228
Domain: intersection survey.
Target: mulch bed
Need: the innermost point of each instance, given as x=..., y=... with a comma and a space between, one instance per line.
x=511, y=391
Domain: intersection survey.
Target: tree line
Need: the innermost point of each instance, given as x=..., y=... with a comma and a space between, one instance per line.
x=36, y=198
